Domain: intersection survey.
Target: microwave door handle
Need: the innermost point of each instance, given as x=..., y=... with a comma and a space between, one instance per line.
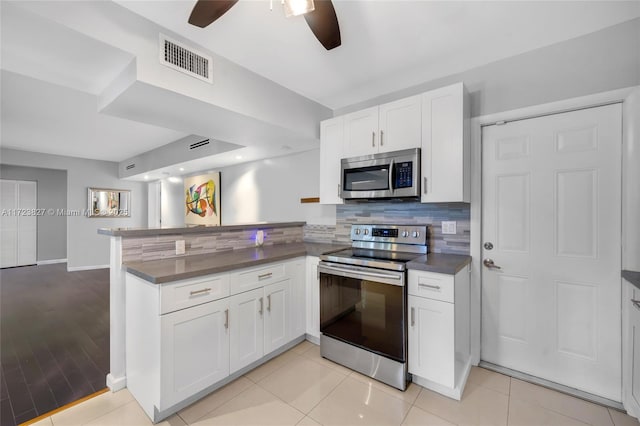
x=391, y=166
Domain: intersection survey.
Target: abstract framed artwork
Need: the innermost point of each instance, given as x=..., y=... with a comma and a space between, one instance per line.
x=202, y=199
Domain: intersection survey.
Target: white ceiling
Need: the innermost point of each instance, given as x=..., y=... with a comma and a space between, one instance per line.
x=43, y=117
x=51, y=77
x=51, y=73
x=387, y=45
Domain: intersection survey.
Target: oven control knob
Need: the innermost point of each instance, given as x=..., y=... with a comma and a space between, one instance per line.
x=366, y=232
x=415, y=234
x=405, y=234
x=357, y=231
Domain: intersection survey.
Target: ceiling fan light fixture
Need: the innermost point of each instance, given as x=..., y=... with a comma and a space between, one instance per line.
x=297, y=7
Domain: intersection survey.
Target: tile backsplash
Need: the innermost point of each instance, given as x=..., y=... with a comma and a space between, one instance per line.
x=163, y=246
x=400, y=214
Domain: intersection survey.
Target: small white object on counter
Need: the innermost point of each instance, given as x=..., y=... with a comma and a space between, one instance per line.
x=260, y=238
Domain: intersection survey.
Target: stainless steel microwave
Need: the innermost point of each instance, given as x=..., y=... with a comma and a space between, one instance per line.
x=386, y=175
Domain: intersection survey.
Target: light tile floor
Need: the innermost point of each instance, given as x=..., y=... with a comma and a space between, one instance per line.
x=301, y=388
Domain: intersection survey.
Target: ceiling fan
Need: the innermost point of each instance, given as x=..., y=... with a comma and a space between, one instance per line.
x=319, y=14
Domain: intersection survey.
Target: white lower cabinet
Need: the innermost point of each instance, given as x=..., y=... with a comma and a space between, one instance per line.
x=246, y=316
x=431, y=346
x=174, y=357
x=298, y=301
x=313, y=299
x=631, y=349
x=194, y=350
x=438, y=337
x=277, y=321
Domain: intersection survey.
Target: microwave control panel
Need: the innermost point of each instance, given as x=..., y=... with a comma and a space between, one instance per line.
x=403, y=175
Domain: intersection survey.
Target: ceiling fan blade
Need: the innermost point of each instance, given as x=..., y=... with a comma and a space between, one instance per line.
x=207, y=11
x=324, y=24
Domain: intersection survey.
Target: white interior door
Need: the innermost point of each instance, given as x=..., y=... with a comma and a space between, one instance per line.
x=18, y=223
x=551, y=206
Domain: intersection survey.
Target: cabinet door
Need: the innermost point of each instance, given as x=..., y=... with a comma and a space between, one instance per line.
x=634, y=325
x=445, y=153
x=298, y=299
x=277, y=315
x=313, y=297
x=194, y=350
x=401, y=124
x=431, y=340
x=361, y=132
x=246, y=328
x=331, y=141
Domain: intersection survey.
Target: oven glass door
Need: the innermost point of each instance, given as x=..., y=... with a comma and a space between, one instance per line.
x=364, y=312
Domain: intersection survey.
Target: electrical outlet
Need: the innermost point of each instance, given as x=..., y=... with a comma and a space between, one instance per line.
x=180, y=247
x=448, y=227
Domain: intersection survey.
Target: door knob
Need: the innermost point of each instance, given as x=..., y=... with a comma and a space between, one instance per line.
x=489, y=264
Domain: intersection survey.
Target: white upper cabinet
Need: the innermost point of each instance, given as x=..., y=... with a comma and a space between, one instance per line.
x=385, y=128
x=400, y=124
x=436, y=121
x=445, y=145
x=331, y=149
x=360, y=132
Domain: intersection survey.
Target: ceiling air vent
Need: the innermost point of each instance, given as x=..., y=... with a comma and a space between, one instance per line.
x=130, y=166
x=199, y=144
x=185, y=59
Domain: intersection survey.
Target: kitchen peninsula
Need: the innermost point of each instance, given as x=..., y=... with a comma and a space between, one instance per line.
x=136, y=245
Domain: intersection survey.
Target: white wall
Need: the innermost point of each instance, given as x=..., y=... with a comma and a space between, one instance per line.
x=271, y=189
x=261, y=191
x=172, y=203
x=631, y=183
x=598, y=62
x=85, y=248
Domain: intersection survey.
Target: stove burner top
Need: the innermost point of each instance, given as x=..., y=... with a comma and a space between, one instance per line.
x=382, y=246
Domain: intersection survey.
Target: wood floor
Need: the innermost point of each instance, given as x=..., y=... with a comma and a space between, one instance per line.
x=54, y=338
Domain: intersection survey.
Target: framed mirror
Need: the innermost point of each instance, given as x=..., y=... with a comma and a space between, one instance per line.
x=109, y=202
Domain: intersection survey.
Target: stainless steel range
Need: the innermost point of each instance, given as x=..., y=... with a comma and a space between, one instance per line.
x=363, y=300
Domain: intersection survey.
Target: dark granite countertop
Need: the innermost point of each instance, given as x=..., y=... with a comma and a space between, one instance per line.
x=632, y=276
x=441, y=263
x=149, y=232
x=179, y=268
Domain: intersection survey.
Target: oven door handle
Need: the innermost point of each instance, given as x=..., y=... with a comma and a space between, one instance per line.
x=360, y=273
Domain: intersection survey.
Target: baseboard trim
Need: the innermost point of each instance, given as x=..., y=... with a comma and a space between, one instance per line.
x=552, y=385
x=116, y=384
x=85, y=268
x=50, y=261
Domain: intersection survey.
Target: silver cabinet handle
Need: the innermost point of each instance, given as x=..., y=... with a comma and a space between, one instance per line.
x=373, y=139
x=339, y=194
x=261, y=305
x=434, y=287
x=264, y=276
x=489, y=264
x=413, y=317
x=204, y=290
x=636, y=303
x=381, y=136
x=226, y=318
x=268, y=303
x=424, y=186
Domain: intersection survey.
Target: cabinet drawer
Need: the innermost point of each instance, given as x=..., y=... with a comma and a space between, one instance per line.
x=184, y=294
x=431, y=285
x=248, y=279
